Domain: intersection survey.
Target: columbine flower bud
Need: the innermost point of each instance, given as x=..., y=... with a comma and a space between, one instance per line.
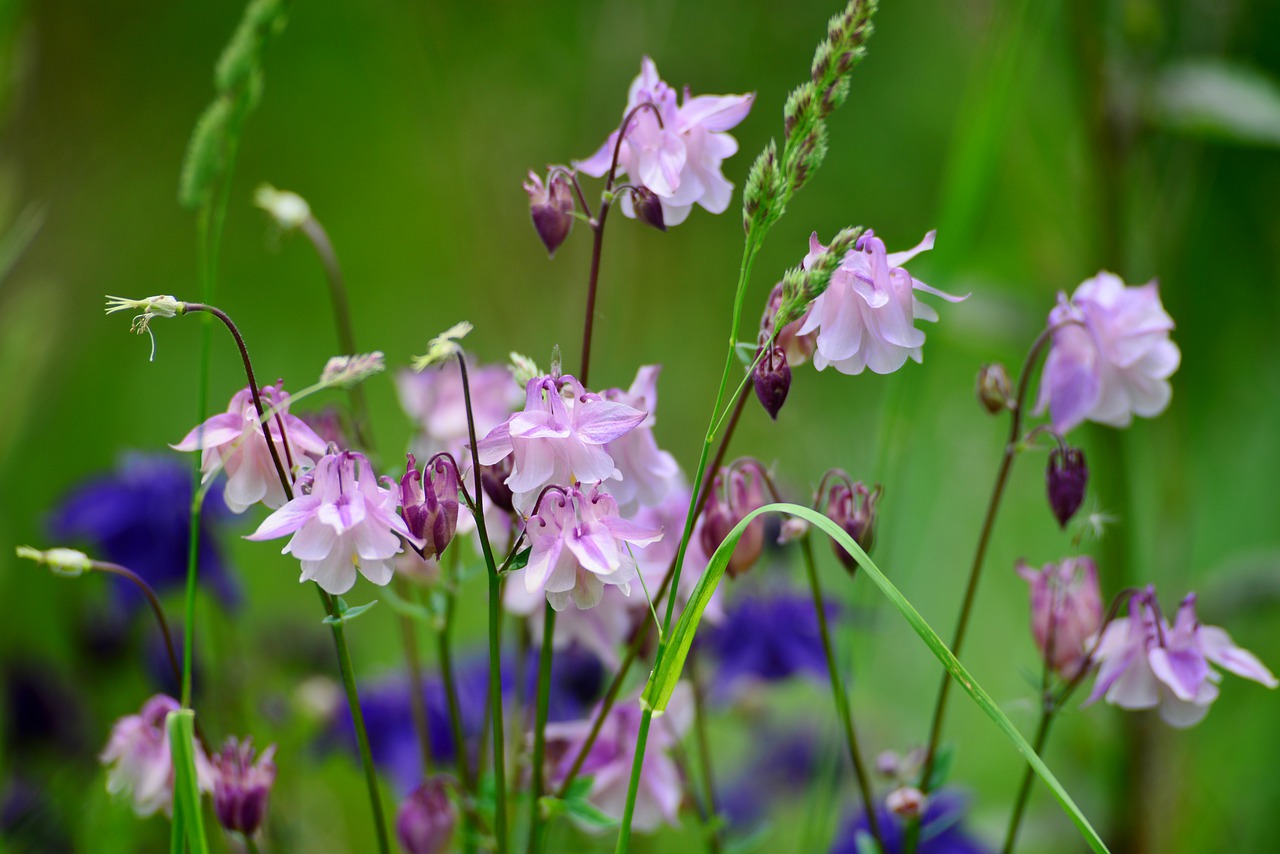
x=551, y=207
x=430, y=507
x=241, y=785
x=793, y=528
x=1067, y=477
x=907, y=802
x=854, y=509
x=68, y=563
x=1066, y=610
x=736, y=491
x=648, y=208
x=288, y=210
x=427, y=818
x=888, y=763
x=994, y=391
x=772, y=380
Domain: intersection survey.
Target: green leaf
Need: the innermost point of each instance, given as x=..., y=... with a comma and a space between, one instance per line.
x=865, y=843
x=1222, y=101
x=941, y=767
x=407, y=608
x=186, y=791
x=666, y=673
x=587, y=815
x=521, y=560
x=345, y=614
x=579, y=788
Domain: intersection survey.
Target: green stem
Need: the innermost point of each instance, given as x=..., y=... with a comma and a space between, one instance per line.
x=537, y=829
x=704, y=758
x=1024, y=791
x=840, y=696
x=417, y=688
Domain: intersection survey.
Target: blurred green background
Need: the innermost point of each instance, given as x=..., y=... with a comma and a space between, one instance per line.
x=1044, y=140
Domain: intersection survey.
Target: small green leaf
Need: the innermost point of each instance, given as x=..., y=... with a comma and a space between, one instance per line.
x=521, y=560
x=186, y=792
x=551, y=807
x=346, y=615
x=941, y=767
x=588, y=816
x=406, y=608
x=865, y=843
x=579, y=788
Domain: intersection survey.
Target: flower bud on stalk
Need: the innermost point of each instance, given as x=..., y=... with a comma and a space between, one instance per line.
x=551, y=207
x=1066, y=610
x=1067, y=477
x=854, y=509
x=241, y=785
x=994, y=390
x=425, y=822
x=736, y=491
x=772, y=380
x=648, y=207
x=430, y=507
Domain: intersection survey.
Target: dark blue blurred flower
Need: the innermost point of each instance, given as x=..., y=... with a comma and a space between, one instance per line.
x=941, y=830
x=577, y=678
x=139, y=517
x=784, y=767
x=767, y=638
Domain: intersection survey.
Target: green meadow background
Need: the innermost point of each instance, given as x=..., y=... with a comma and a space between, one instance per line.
x=1044, y=140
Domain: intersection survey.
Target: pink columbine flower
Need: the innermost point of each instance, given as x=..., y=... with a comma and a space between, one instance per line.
x=866, y=317
x=558, y=438
x=1114, y=361
x=434, y=400
x=234, y=441
x=579, y=544
x=609, y=761
x=429, y=506
x=1066, y=610
x=242, y=785
x=1145, y=662
x=139, y=762
x=736, y=491
x=340, y=519
x=648, y=473
x=679, y=159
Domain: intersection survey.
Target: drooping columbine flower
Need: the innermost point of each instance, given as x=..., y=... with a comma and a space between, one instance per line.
x=1066, y=610
x=138, y=760
x=677, y=159
x=434, y=400
x=551, y=206
x=579, y=544
x=426, y=819
x=609, y=761
x=558, y=438
x=1114, y=361
x=866, y=317
x=234, y=441
x=341, y=520
x=648, y=473
x=430, y=507
x=241, y=785
x=1145, y=662
x=853, y=507
x=736, y=491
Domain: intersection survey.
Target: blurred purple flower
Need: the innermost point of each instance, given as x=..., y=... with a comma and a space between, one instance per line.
x=941, y=830
x=139, y=517
x=242, y=785
x=434, y=400
x=1115, y=361
x=783, y=767
x=767, y=639
x=426, y=819
x=139, y=763
x=679, y=159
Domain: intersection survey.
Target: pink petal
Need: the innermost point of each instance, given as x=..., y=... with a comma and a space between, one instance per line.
x=716, y=112
x=287, y=519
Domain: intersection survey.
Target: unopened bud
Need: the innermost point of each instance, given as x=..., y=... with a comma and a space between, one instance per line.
x=853, y=508
x=1066, y=477
x=241, y=785
x=772, y=379
x=994, y=391
x=888, y=763
x=551, y=207
x=68, y=563
x=792, y=529
x=907, y=802
x=735, y=492
x=1066, y=611
x=426, y=820
x=648, y=207
x=430, y=507
x=288, y=210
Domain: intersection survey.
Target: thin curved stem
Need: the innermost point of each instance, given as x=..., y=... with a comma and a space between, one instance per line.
x=1028, y=778
x=153, y=601
x=537, y=828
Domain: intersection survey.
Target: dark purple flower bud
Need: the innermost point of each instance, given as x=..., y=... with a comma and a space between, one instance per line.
x=430, y=508
x=994, y=391
x=772, y=379
x=427, y=818
x=241, y=786
x=648, y=207
x=493, y=479
x=551, y=207
x=1067, y=478
x=854, y=509
x=736, y=491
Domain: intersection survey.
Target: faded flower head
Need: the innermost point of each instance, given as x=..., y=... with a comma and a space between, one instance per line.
x=138, y=760
x=866, y=316
x=558, y=438
x=551, y=207
x=234, y=441
x=426, y=819
x=242, y=785
x=1111, y=357
x=737, y=490
x=341, y=520
x=1145, y=662
x=674, y=151
x=1066, y=611
x=579, y=544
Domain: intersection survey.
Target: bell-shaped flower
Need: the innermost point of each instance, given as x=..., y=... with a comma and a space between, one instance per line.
x=434, y=400
x=648, y=473
x=1111, y=357
x=866, y=316
x=852, y=506
x=1066, y=611
x=578, y=544
x=426, y=819
x=341, y=520
x=139, y=762
x=1146, y=663
x=558, y=438
x=234, y=441
x=678, y=157
x=430, y=507
x=609, y=761
x=242, y=784
x=736, y=491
